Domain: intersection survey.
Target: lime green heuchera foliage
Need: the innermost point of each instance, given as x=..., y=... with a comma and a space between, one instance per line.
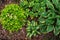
x=12, y=17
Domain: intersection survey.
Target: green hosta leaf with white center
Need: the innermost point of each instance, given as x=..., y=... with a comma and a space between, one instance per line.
x=50, y=28
x=57, y=30
x=55, y=2
x=49, y=4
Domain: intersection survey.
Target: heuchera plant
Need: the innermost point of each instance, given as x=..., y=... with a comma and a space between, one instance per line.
x=12, y=17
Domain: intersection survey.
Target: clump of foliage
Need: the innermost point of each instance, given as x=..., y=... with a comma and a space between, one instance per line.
x=12, y=17
x=32, y=29
x=53, y=8
x=47, y=12
x=49, y=20
x=34, y=9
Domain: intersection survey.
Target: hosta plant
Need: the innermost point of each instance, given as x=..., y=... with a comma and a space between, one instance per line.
x=54, y=8
x=12, y=17
x=32, y=29
x=50, y=19
x=47, y=12
x=33, y=7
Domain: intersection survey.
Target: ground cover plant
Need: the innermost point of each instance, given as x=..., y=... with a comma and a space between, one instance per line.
x=12, y=17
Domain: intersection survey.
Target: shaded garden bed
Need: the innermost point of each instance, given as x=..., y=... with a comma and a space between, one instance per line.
x=21, y=34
